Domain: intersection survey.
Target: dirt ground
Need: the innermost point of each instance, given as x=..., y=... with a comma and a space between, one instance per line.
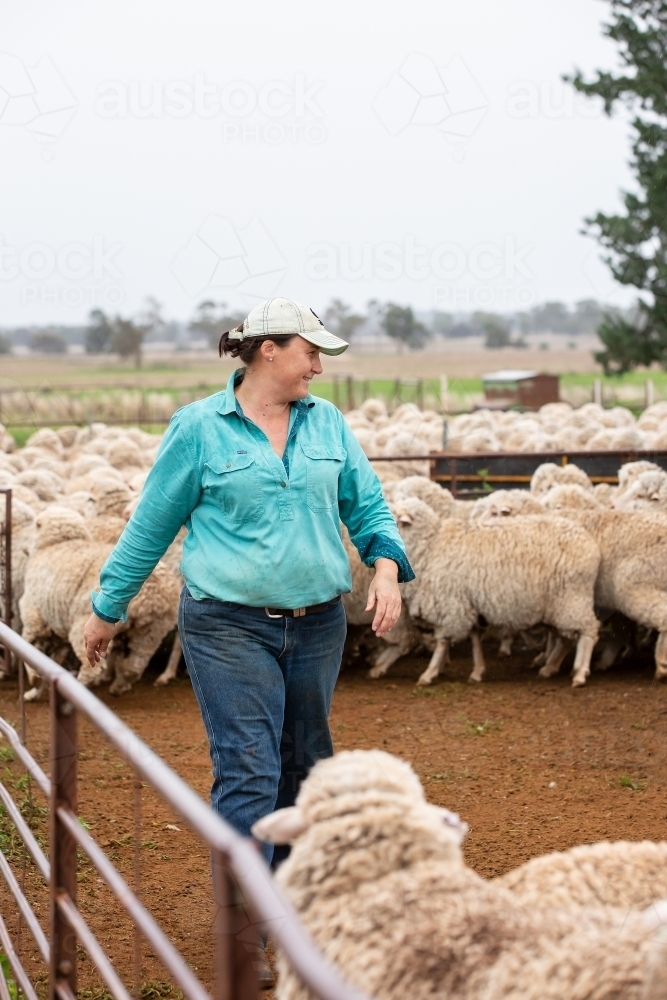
x=530, y=764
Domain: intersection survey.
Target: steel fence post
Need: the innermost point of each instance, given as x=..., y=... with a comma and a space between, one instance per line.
x=236, y=940
x=62, y=844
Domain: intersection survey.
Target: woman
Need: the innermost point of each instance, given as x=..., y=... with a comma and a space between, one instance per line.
x=260, y=475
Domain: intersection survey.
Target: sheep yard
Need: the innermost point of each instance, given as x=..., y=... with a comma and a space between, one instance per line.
x=531, y=764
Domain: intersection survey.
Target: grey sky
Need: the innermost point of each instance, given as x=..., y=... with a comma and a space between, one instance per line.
x=283, y=153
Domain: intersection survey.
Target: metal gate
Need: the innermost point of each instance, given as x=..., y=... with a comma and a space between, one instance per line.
x=246, y=898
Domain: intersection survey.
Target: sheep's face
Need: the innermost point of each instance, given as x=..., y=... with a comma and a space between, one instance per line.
x=569, y=499
x=647, y=492
x=360, y=794
x=413, y=516
x=58, y=524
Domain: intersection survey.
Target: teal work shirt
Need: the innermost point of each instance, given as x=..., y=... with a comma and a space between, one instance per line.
x=261, y=530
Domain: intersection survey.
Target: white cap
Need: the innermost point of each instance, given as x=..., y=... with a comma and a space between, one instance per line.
x=276, y=316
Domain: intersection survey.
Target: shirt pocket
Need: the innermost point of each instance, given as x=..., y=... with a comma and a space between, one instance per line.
x=324, y=463
x=233, y=483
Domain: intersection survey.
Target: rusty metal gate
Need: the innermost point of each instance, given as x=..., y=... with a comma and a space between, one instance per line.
x=6, y=568
x=246, y=898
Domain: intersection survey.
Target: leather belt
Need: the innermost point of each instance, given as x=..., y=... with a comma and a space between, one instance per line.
x=299, y=612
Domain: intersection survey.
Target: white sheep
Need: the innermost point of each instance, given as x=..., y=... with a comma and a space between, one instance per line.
x=621, y=874
x=647, y=492
x=632, y=575
x=62, y=569
x=377, y=877
x=548, y=475
x=526, y=571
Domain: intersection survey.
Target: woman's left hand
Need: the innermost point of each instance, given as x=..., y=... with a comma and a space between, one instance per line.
x=385, y=596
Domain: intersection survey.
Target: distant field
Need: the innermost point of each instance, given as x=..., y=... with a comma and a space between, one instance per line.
x=77, y=389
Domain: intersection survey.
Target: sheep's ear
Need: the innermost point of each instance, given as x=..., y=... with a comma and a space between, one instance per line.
x=404, y=519
x=280, y=827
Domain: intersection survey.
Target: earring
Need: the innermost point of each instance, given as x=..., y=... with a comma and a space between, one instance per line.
x=270, y=359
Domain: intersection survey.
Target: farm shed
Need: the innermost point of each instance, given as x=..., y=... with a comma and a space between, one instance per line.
x=516, y=387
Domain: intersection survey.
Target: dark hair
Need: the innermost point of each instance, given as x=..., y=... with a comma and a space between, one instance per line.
x=248, y=348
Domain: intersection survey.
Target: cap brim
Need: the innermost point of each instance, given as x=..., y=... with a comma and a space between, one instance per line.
x=327, y=342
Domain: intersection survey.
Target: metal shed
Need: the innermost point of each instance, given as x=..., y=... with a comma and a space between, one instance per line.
x=517, y=387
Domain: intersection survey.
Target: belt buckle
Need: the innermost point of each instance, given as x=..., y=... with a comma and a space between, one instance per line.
x=299, y=612
x=269, y=615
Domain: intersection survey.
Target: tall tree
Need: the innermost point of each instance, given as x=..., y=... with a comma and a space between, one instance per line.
x=339, y=318
x=636, y=242
x=213, y=319
x=97, y=338
x=399, y=323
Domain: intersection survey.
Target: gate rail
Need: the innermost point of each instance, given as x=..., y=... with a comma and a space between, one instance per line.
x=6, y=567
x=247, y=899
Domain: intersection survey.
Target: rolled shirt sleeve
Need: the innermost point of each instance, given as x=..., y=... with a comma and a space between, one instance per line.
x=170, y=494
x=364, y=510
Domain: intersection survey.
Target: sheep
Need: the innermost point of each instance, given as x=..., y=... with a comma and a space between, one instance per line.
x=377, y=877
x=529, y=570
x=621, y=874
x=632, y=575
x=491, y=509
x=404, y=638
x=46, y=484
x=23, y=520
x=62, y=570
x=7, y=442
x=631, y=471
x=548, y=475
x=647, y=492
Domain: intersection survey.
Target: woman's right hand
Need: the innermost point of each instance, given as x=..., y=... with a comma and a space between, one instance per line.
x=97, y=635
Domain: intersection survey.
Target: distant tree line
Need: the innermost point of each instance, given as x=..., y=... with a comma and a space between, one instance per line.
x=126, y=336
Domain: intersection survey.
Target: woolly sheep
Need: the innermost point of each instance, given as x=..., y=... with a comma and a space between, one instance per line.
x=404, y=638
x=627, y=581
x=548, y=475
x=23, y=520
x=7, y=442
x=504, y=503
x=62, y=569
x=529, y=570
x=45, y=484
x=647, y=492
x=631, y=471
x=622, y=874
x=377, y=877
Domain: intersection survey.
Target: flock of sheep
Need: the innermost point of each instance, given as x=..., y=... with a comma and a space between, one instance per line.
x=555, y=427
x=545, y=564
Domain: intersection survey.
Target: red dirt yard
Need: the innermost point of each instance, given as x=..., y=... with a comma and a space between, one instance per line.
x=532, y=766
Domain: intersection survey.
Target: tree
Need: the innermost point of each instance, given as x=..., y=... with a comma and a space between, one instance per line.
x=127, y=339
x=44, y=342
x=213, y=319
x=5, y=344
x=97, y=338
x=636, y=242
x=399, y=323
x=496, y=330
x=339, y=318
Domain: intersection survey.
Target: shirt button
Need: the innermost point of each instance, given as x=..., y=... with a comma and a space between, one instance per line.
x=283, y=484
x=229, y=465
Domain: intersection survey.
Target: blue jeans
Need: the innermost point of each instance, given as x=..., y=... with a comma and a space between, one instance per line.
x=264, y=687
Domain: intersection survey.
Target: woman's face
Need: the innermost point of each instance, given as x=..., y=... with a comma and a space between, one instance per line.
x=293, y=366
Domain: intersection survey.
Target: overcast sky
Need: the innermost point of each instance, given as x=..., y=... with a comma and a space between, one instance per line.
x=423, y=152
